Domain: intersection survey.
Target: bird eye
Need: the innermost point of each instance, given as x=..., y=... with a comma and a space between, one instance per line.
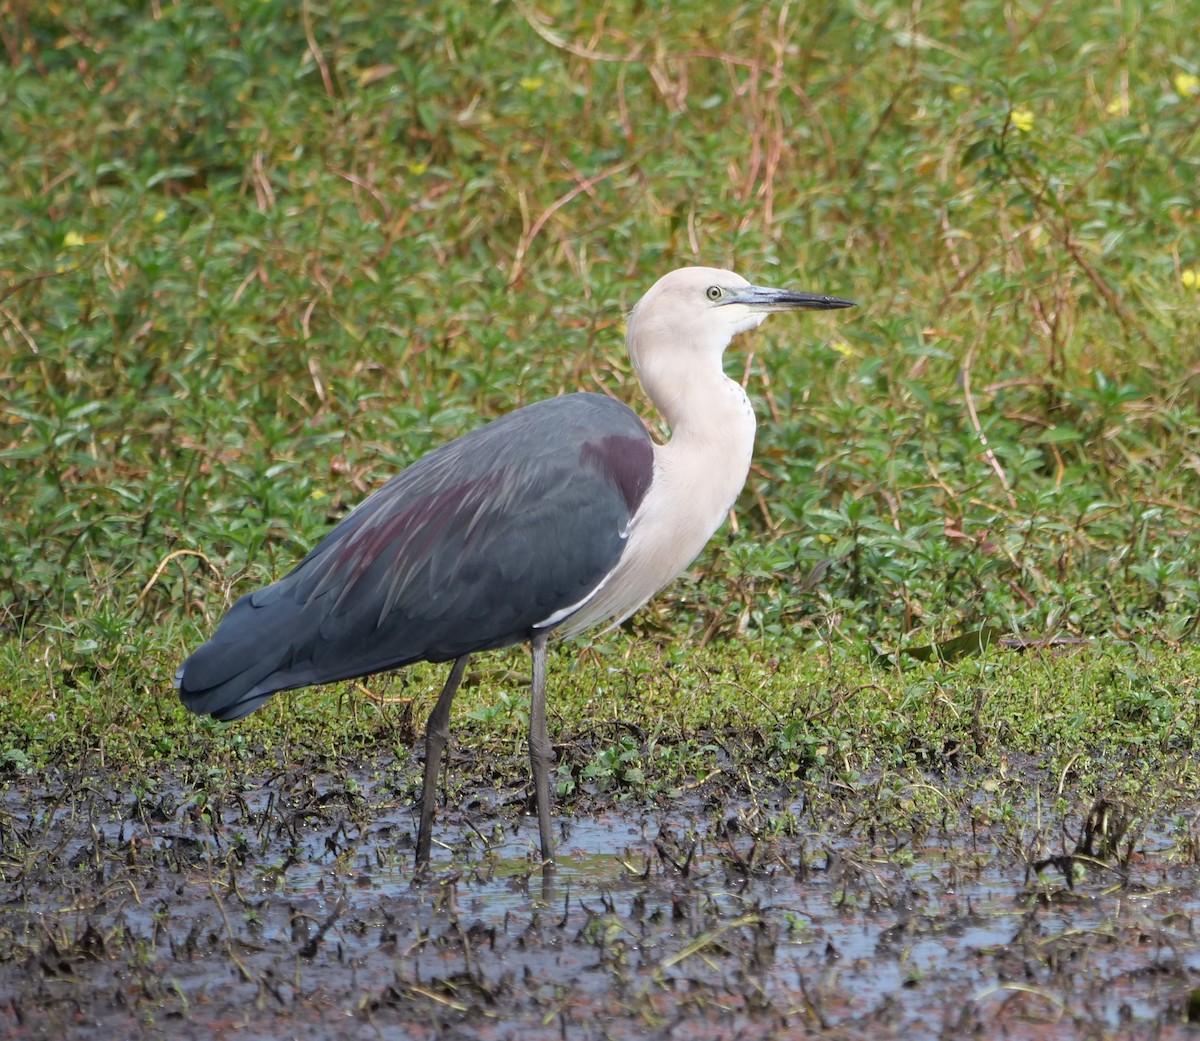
x=713, y=293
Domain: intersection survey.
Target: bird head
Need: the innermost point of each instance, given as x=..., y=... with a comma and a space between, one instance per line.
x=699, y=310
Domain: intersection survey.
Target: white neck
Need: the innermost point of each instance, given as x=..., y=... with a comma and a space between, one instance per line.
x=698, y=474
x=707, y=456
x=709, y=415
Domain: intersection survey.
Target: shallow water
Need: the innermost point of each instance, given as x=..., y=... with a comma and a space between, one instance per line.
x=293, y=911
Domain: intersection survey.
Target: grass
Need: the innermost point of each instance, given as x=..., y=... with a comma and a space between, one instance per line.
x=255, y=257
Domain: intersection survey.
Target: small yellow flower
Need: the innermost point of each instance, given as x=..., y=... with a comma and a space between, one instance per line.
x=532, y=83
x=73, y=239
x=159, y=216
x=1116, y=107
x=416, y=169
x=1021, y=119
x=959, y=91
x=1186, y=85
x=844, y=349
x=1190, y=277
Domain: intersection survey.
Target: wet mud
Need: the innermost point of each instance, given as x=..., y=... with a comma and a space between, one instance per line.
x=288, y=907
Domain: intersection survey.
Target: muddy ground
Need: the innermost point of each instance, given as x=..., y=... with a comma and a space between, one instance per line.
x=286, y=908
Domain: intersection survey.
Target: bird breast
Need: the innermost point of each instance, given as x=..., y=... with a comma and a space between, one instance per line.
x=698, y=475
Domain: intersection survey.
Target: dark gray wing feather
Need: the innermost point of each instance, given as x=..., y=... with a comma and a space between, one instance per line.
x=466, y=550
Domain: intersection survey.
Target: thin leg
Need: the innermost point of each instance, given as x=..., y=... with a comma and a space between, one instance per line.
x=540, y=753
x=437, y=733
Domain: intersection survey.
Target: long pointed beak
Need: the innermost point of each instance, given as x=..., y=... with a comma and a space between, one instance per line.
x=766, y=299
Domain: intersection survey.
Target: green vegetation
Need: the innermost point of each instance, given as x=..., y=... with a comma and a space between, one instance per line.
x=256, y=256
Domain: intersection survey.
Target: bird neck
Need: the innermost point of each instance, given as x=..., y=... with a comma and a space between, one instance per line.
x=713, y=411
x=701, y=469
x=690, y=390
x=711, y=427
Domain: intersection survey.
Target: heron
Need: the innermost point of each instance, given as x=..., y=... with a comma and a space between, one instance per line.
x=540, y=524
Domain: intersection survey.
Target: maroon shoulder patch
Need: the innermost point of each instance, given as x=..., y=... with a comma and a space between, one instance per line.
x=627, y=462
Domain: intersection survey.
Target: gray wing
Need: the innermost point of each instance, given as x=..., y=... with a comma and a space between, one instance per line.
x=468, y=549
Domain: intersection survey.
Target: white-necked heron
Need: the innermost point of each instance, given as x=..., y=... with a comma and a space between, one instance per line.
x=544, y=522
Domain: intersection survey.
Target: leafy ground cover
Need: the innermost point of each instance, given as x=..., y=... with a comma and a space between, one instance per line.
x=256, y=256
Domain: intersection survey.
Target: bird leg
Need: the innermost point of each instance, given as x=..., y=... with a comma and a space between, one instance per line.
x=437, y=733
x=541, y=755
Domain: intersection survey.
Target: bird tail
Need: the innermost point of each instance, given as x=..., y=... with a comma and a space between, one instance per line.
x=248, y=659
